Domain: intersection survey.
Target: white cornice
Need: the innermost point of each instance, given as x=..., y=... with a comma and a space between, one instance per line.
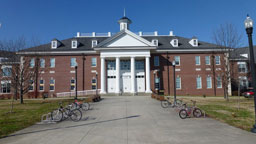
x=58, y=52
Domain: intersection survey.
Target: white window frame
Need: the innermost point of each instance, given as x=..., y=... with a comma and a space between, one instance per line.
x=94, y=43
x=32, y=63
x=209, y=60
x=31, y=85
x=209, y=78
x=199, y=77
x=5, y=82
x=179, y=83
x=155, y=42
x=52, y=66
x=72, y=83
x=175, y=43
x=71, y=64
x=198, y=59
x=156, y=61
x=54, y=44
x=6, y=67
x=178, y=60
x=41, y=84
x=92, y=64
x=42, y=63
x=220, y=82
x=74, y=44
x=216, y=60
x=52, y=85
x=242, y=63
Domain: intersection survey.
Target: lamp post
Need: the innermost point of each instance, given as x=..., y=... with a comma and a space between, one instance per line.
x=96, y=73
x=249, y=28
x=76, y=82
x=174, y=81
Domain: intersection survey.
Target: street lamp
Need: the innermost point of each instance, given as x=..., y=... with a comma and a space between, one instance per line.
x=174, y=81
x=248, y=23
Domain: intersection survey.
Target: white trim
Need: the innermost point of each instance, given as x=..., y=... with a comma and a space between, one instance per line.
x=52, y=44
x=180, y=82
x=191, y=50
x=209, y=60
x=173, y=44
x=94, y=42
x=200, y=82
x=219, y=60
x=96, y=61
x=154, y=42
x=76, y=43
x=59, y=52
x=207, y=82
x=175, y=61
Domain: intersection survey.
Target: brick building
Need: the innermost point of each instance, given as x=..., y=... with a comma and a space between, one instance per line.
x=128, y=62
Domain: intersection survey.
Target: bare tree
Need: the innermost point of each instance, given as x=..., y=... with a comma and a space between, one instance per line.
x=227, y=38
x=24, y=69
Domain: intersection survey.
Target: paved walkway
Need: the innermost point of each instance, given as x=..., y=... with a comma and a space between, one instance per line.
x=132, y=120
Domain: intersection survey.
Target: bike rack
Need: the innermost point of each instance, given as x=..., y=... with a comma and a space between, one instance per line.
x=46, y=119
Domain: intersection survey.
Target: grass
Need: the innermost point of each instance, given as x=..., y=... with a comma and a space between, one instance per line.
x=24, y=115
x=238, y=112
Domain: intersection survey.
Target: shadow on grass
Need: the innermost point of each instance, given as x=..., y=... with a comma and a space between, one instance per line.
x=50, y=129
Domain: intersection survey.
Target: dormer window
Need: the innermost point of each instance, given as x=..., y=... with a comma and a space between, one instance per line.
x=74, y=43
x=54, y=44
x=174, y=42
x=155, y=42
x=194, y=42
x=94, y=43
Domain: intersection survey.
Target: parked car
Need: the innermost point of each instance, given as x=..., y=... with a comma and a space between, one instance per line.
x=248, y=94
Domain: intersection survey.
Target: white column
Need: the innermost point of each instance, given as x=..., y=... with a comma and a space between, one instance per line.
x=117, y=74
x=148, y=89
x=102, y=77
x=132, y=74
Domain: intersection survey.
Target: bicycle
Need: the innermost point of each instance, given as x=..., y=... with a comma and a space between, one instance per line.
x=62, y=114
x=167, y=103
x=81, y=105
x=187, y=111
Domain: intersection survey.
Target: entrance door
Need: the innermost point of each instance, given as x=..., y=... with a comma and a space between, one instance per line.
x=126, y=83
x=111, y=84
x=140, y=83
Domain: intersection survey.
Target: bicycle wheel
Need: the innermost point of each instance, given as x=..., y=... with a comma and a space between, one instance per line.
x=183, y=114
x=197, y=113
x=76, y=115
x=85, y=106
x=178, y=103
x=165, y=104
x=56, y=115
x=66, y=112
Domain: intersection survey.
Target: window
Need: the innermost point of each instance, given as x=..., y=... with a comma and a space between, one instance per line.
x=195, y=42
x=94, y=62
x=42, y=63
x=94, y=84
x=197, y=60
x=207, y=60
x=111, y=65
x=94, y=43
x=5, y=86
x=219, y=82
x=175, y=43
x=31, y=85
x=178, y=83
x=52, y=62
x=7, y=71
x=155, y=42
x=125, y=65
x=41, y=85
x=73, y=62
x=52, y=84
x=217, y=60
x=198, y=82
x=209, y=82
x=177, y=60
x=139, y=65
x=74, y=44
x=242, y=67
x=72, y=84
x=156, y=60
x=243, y=82
x=54, y=44
x=32, y=63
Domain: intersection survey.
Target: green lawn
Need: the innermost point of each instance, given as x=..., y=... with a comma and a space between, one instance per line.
x=236, y=112
x=25, y=114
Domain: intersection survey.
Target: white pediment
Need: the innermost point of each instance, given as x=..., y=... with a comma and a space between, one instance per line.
x=126, y=41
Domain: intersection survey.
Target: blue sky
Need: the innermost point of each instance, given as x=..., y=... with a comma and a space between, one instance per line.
x=61, y=19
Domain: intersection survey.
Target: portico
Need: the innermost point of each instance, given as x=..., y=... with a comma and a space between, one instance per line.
x=125, y=73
